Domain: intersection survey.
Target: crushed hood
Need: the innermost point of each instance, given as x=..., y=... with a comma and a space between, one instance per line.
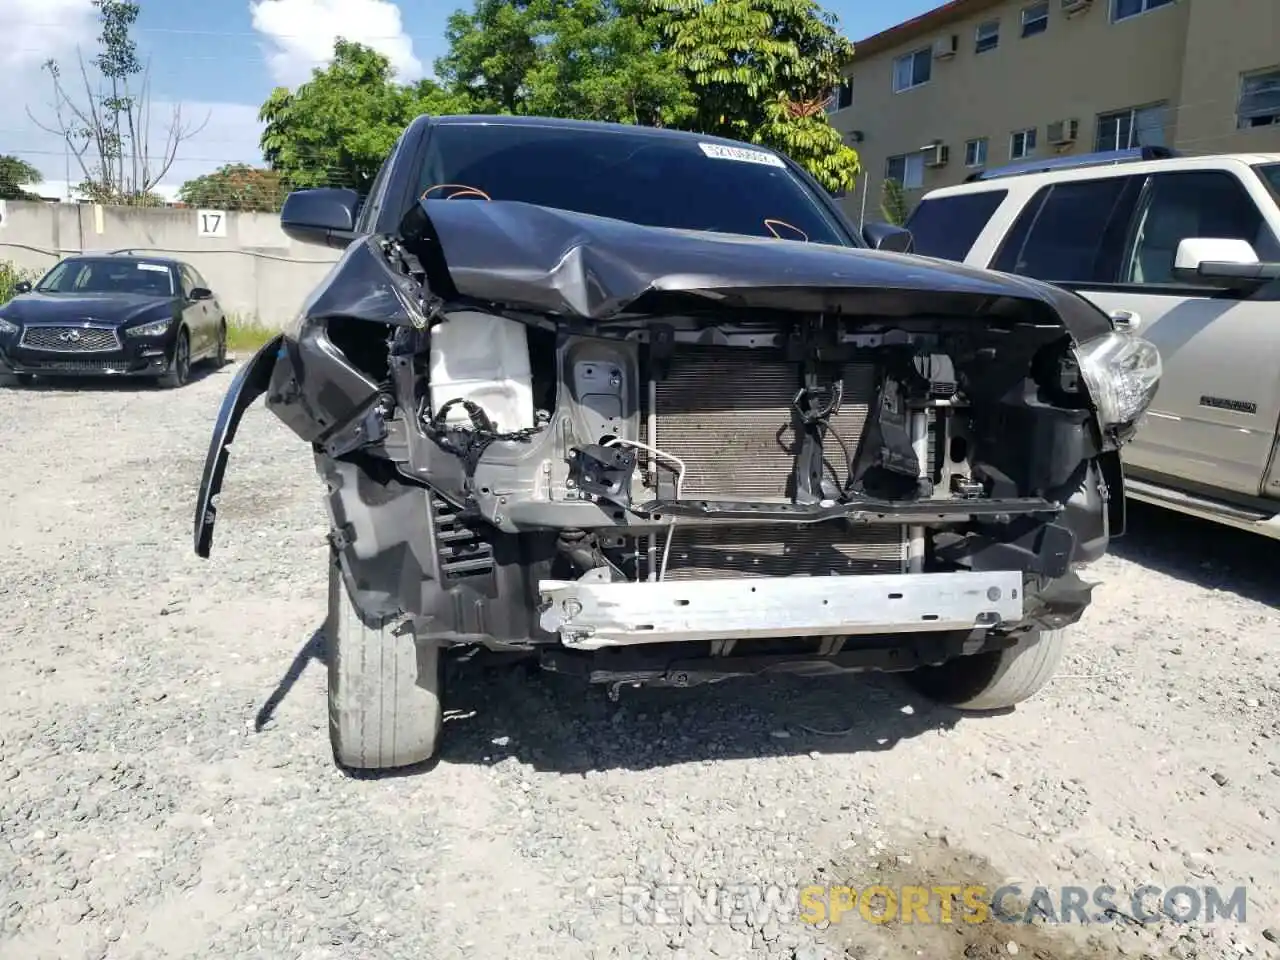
x=594, y=268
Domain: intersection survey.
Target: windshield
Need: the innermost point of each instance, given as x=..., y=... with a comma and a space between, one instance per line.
x=1270, y=173
x=108, y=275
x=642, y=178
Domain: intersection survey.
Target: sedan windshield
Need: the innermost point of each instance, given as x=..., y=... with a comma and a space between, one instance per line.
x=108, y=275
x=639, y=177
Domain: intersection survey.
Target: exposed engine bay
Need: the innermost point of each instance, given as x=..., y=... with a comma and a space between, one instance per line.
x=510, y=452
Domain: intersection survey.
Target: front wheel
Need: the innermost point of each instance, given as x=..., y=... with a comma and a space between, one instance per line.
x=180, y=368
x=384, y=687
x=997, y=679
x=220, y=355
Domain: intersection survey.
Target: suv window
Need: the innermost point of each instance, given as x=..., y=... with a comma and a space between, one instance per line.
x=1072, y=232
x=641, y=177
x=189, y=281
x=1199, y=203
x=946, y=227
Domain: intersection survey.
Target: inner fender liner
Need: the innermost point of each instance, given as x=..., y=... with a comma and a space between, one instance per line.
x=387, y=540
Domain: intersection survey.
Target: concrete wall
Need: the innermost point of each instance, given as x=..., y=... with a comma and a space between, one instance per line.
x=257, y=273
x=1188, y=56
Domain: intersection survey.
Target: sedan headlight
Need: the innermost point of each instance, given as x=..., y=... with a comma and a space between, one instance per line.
x=1122, y=372
x=8, y=326
x=153, y=329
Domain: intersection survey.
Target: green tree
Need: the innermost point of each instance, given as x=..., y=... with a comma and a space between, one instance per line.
x=761, y=71
x=338, y=127
x=13, y=174
x=236, y=186
x=581, y=59
x=108, y=128
x=894, y=206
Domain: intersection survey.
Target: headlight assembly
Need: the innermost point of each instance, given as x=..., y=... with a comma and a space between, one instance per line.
x=8, y=326
x=153, y=329
x=1122, y=372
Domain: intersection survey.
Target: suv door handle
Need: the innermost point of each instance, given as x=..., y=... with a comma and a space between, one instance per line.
x=1126, y=319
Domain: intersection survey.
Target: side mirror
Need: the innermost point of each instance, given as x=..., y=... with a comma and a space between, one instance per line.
x=886, y=236
x=201, y=293
x=325, y=216
x=22, y=286
x=1219, y=262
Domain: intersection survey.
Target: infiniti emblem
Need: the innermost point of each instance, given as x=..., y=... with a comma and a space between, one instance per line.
x=69, y=336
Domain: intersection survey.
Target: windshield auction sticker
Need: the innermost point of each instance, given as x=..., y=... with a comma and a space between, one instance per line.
x=721, y=152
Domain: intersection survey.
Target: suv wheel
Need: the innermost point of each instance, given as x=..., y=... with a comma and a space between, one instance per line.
x=997, y=679
x=384, y=688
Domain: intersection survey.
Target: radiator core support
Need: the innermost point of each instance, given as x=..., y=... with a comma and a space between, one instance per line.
x=730, y=415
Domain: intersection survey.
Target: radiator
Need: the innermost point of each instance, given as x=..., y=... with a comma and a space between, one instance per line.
x=727, y=413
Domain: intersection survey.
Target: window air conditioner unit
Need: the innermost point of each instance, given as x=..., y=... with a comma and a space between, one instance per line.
x=1070, y=7
x=1063, y=132
x=937, y=155
x=944, y=48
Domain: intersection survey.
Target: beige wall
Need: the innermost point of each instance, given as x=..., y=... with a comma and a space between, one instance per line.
x=256, y=271
x=1227, y=38
x=1185, y=53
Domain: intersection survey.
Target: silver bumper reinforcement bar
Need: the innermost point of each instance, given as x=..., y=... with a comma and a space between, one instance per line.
x=591, y=615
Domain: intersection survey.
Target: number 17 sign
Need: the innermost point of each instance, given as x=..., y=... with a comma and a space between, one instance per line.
x=211, y=223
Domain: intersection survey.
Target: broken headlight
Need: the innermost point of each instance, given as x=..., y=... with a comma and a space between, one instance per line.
x=1122, y=372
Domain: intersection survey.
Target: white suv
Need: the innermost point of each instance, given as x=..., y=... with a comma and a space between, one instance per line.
x=1187, y=249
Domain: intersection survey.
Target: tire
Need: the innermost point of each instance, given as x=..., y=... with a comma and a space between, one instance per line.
x=180, y=369
x=220, y=355
x=384, y=689
x=995, y=680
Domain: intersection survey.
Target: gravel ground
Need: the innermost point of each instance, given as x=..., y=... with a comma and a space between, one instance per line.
x=166, y=788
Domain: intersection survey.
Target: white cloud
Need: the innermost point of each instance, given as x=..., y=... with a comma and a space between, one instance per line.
x=300, y=34
x=35, y=31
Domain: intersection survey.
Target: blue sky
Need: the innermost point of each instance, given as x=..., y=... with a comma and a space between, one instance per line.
x=220, y=58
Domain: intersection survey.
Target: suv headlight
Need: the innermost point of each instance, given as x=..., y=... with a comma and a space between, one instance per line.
x=1122, y=372
x=8, y=326
x=153, y=329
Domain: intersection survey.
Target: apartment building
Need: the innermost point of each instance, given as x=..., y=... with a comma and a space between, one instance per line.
x=980, y=83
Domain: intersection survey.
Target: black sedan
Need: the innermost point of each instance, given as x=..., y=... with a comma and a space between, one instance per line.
x=113, y=315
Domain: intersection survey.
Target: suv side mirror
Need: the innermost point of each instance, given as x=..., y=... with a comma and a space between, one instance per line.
x=201, y=293
x=887, y=236
x=325, y=216
x=1220, y=262
x=22, y=286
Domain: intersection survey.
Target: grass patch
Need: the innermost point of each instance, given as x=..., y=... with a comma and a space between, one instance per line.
x=247, y=336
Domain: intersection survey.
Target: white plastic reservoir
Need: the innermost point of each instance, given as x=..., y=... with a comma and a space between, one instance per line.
x=484, y=359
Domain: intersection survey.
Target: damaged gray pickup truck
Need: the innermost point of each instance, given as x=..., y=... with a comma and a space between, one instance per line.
x=643, y=405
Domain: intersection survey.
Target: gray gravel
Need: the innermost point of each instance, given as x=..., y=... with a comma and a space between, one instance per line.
x=166, y=788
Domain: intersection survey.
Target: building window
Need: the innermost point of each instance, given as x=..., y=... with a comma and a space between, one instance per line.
x=841, y=97
x=975, y=153
x=1124, y=9
x=1127, y=129
x=913, y=70
x=907, y=169
x=1022, y=144
x=1259, y=100
x=1035, y=18
x=988, y=36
